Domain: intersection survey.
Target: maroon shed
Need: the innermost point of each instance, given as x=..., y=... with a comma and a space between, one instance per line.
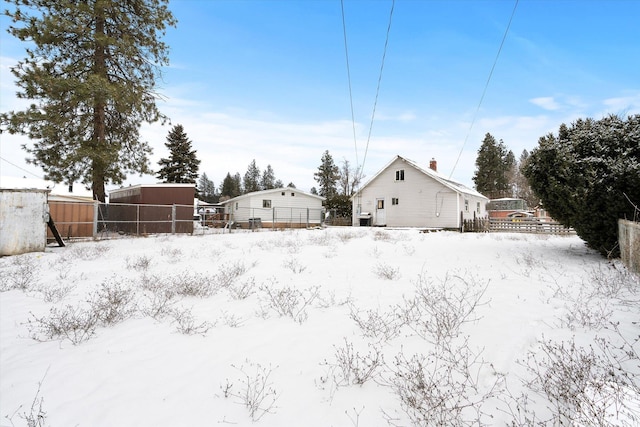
x=150, y=208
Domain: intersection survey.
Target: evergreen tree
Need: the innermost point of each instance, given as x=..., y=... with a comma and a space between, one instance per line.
x=230, y=186
x=313, y=191
x=586, y=176
x=182, y=164
x=327, y=176
x=91, y=70
x=523, y=189
x=252, y=178
x=268, y=180
x=291, y=185
x=492, y=165
x=206, y=189
x=278, y=184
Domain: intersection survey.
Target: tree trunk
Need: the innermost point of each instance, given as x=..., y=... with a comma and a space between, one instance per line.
x=99, y=111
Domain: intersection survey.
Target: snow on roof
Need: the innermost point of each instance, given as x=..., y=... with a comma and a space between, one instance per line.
x=57, y=189
x=273, y=190
x=454, y=185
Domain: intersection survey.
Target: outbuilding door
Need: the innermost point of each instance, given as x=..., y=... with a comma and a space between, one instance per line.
x=381, y=218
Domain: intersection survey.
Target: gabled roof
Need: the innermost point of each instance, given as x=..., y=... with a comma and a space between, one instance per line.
x=449, y=183
x=273, y=190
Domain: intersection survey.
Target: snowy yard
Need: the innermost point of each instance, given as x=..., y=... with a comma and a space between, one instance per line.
x=326, y=327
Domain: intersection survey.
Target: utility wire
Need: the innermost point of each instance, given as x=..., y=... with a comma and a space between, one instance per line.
x=375, y=102
x=495, y=61
x=346, y=52
x=21, y=168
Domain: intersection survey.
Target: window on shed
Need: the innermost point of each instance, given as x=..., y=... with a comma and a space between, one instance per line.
x=478, y=207
x=400, y=175
x=266, y=203
x=394, y=201
x=283, y=193
x=466, y=205
x=293, y=194
x=236, y=205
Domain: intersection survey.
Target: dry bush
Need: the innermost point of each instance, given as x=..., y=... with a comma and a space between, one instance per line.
x=139, y=263
x=582, y=386
x=228, y=273
x=22, y=272
x=288, y=301
x=255, y=390
x=349, y=367
x=439, y=309
x=441, y=388
x=376, y=324
x=86, y=251
x=55, y=292
x=386, y=271
x=77, y=324
x=114, y=301
x=187, y=324
x=242, y=290
x=294, y=265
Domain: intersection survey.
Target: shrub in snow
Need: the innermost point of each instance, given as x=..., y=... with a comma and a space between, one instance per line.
x=288, y=301
x=77, y=324
x=242, y=290
x=377, y=324
x=294, y=265
x=114, y=301
x=86, y=251
x=350, y=367
x=582, y=386
x=139, y=263
x=439, y=309
x=23, y=272
x=228, y=273
x=187, y=324
x=255, y=390
x=441, y=387
x=386, y=271
x=587, y=174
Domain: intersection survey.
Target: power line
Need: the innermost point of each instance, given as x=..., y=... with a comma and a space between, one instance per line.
x=21, y=168
x=375, y=102
x=495, y=61
x=346, y=52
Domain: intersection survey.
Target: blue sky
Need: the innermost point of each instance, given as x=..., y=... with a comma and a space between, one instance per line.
x=267, y=80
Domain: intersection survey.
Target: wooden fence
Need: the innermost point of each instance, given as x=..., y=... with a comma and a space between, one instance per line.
x=515, y=225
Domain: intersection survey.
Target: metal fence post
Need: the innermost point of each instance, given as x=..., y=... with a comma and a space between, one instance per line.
x=173, y=219
x=95, y=219
x=137, y=220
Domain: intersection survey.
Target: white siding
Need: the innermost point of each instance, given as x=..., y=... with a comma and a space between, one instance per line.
x=422, y=200
x=23, y=218
x=285, y=207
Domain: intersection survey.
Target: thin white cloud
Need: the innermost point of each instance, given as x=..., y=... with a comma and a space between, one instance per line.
x=546, y=102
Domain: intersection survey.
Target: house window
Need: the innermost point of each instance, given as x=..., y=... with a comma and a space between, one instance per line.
x=381, y=204
x=466, y=205
x=283, y=193
x=236, y=205
x=266, y=203
x=394, y=201
x=293, y=194
x=400, y=175
x=478, y=207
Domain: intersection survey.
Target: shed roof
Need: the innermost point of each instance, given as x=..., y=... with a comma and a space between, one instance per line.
x=270, y=191
x=449, y=183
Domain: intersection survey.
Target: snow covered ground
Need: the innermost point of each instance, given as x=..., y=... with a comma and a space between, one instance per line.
x=324, y=327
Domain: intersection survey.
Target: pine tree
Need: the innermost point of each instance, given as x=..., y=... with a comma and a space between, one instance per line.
x=327, y=176
x=207, y=189
x=586, y=176
x=523, y=189
x=91, y=72
x=348, y=179
x=230, y=186
x=291, y=185
x=182, y=164
x=268, y=180
x=252, y=178
x=492, y=165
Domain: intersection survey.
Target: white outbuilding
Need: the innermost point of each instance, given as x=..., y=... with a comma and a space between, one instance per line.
x=275, y=208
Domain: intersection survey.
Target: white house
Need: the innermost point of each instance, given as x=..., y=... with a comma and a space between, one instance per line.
x=275, y=208
x=403, y=194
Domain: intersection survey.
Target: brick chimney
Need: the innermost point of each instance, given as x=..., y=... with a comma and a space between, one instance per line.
x=433, y=165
